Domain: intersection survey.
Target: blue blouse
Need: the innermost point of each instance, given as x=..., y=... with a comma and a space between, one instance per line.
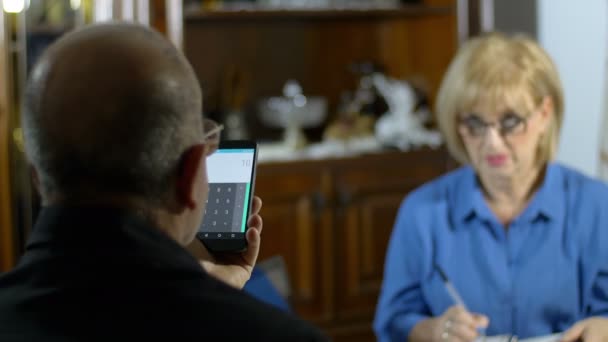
x=543, y=274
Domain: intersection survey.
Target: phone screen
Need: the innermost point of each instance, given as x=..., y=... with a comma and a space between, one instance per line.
x=230, y=171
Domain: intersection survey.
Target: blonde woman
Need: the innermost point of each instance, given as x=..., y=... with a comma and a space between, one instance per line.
x=522, y=239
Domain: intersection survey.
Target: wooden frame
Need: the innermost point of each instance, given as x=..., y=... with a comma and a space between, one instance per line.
x=7, y=238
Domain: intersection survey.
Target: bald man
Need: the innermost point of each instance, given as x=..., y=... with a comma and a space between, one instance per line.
x=114, y=133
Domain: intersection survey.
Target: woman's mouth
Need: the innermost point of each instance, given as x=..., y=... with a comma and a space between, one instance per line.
x=496, y=160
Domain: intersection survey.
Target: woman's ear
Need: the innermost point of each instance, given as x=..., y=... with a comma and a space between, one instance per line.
x=546, y=111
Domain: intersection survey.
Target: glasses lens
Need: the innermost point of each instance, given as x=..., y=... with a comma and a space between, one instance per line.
x=512, y=124
x=474, y=126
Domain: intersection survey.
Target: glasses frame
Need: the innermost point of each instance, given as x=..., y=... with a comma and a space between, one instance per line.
x=496, y=124
x=211, y=138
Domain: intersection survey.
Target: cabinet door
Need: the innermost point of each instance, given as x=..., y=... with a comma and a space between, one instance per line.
x=297, y=226
x=367, y=202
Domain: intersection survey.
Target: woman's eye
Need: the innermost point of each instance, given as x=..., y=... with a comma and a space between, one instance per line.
x=510, y=121
x=473, y=121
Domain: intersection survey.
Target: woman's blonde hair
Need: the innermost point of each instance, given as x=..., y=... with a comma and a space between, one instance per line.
x=493, y=70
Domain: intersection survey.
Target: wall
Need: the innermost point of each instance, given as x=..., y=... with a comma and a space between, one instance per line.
x=574, y=33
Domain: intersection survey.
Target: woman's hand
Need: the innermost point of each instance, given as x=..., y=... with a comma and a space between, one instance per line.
x=455, y=325
x=593, y=329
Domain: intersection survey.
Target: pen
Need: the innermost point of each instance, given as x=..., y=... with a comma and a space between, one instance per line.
x=448, y=285
x=454, y=294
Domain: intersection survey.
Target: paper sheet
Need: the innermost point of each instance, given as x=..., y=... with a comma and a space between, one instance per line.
x=511, y=338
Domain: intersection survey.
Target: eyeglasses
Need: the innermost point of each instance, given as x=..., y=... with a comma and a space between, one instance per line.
x=510, y=124
x=211, y=135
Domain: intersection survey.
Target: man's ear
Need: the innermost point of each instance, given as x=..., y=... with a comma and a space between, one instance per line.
x=189, y=169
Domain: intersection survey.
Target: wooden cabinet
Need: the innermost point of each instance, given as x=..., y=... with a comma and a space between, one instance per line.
x=299, y=229
x=331, y=221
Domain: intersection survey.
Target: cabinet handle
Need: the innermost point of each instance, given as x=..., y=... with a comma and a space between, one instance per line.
x=345, y=197
x=318, y=202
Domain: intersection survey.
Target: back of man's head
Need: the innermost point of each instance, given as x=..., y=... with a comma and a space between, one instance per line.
x=109, y=109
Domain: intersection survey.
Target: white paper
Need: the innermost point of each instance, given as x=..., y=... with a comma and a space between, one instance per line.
x=510, y=338
x=546, y=338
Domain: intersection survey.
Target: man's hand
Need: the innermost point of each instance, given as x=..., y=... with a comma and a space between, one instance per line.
x=593, y=329
x=233, y=269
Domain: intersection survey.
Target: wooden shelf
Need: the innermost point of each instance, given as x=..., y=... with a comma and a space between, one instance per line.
x=346, y=13
x=254, y=52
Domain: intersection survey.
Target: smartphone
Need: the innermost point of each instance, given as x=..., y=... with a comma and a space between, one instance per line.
x=231, y=175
